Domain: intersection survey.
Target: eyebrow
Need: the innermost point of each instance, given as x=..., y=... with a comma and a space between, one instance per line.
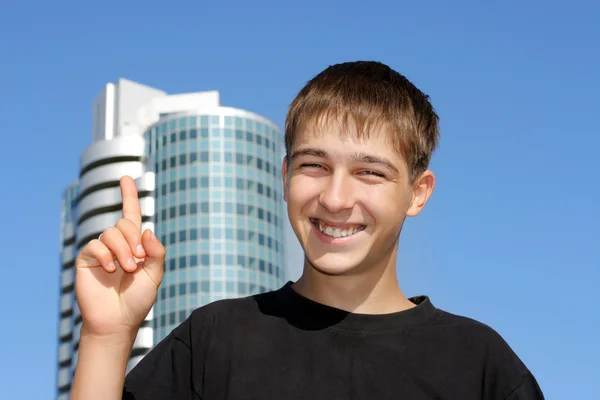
x=363, y=158
x=308, y=151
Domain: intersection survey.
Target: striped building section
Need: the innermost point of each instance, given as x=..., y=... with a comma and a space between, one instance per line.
x=93, y=203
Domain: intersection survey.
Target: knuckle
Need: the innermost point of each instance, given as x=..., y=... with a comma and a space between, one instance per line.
x=109, y=233
x=122, y=224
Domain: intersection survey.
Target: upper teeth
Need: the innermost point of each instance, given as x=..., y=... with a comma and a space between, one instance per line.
x=337, y=232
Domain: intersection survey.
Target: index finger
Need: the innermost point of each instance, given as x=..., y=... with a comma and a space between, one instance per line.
x=131, y=203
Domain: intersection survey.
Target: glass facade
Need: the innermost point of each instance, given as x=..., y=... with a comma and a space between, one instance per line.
x=218, y=209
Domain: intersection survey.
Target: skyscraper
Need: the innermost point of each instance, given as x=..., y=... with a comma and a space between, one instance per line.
x=209, y=186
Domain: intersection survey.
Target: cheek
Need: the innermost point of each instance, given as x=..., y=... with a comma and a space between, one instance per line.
x=384, y=204
x=301, y=191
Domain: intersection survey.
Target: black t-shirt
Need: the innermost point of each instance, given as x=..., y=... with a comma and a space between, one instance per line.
x=281, y=345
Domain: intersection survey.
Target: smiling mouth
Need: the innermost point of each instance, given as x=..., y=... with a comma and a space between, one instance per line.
x=337, y=232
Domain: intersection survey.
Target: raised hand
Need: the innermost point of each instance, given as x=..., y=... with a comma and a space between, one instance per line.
x=118, y=275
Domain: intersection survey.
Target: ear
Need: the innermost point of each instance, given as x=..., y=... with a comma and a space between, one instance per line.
x=284, y=176
x=421, y=192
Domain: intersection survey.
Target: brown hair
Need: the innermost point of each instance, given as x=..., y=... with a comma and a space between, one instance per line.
x=369, y=95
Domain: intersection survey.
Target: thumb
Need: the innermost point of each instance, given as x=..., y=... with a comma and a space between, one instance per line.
x=155, y=256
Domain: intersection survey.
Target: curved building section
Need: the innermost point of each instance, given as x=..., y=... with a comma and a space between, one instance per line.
x=218, y=208
x=100, y=204
x=67, y=289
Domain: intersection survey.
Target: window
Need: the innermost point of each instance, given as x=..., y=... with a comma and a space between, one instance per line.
x=182, y=264
x=182, y=236
x=172, y=264
x=204, y=156
x=182, y=135
x=182, y=184
x=193, y=158
x=193, y=134
x=182, y=288
x=193, y=183
x=172, y=161
x=172, y=212
x=204, y=233
x=173, y=137
x=205, y=286
x=193, y=287
x=193, y=208
x=182, y=159
x=239, y=158
x=204, y=207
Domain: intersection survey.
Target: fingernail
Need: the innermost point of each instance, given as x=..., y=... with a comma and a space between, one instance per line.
x=111, y=265
x=131, y=263
x=140, y=249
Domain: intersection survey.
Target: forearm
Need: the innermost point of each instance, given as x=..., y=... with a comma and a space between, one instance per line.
x=101, y=367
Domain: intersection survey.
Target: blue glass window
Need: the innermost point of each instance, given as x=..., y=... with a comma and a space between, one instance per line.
x=205, y=259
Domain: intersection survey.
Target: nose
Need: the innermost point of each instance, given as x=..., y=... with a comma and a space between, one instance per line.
x=338, y=194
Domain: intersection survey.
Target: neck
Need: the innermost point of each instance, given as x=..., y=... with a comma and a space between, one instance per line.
x=372, y=290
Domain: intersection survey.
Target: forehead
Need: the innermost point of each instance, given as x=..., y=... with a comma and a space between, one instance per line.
x=348, y=135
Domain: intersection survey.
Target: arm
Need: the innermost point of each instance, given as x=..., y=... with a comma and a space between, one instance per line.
x=101, y=366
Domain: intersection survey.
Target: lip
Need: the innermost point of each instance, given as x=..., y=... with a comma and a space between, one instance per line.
x=333, y=240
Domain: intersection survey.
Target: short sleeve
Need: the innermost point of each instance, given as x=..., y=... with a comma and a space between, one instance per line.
x=165, y=372
x=506, y=376
x=527, y=390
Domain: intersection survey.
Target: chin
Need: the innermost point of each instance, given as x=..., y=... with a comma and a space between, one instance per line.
x=334, y=264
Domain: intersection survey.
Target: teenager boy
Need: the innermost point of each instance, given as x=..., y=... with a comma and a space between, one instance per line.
x=359, y=138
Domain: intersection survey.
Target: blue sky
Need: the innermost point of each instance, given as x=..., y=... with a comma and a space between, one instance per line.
x=510, y=236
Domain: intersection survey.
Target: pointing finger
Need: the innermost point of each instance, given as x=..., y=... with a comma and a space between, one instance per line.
x=131, y=203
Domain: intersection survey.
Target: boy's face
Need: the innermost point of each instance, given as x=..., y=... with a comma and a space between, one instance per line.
x=348, y=198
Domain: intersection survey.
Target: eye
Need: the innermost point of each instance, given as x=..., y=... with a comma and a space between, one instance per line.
x=372, y=173
x=311, y=165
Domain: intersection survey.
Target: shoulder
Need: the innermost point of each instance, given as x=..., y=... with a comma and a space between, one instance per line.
x=220, y=315
x=478, y=344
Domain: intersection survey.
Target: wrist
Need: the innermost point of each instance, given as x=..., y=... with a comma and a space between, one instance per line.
x=122, y=339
